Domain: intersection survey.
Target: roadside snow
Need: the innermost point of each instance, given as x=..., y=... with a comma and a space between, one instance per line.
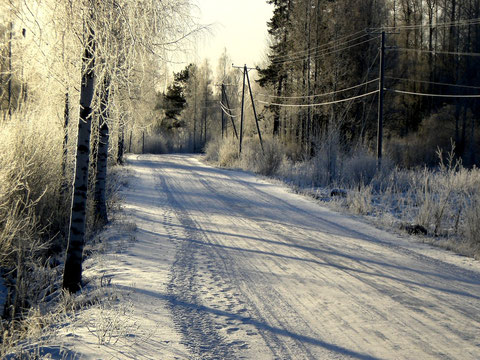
x=226, y=265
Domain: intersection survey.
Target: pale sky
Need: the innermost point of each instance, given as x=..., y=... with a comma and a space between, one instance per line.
x=238, y=25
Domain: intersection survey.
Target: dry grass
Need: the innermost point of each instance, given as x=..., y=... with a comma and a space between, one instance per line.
x=444, y=200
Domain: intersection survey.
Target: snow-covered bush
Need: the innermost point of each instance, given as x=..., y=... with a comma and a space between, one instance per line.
x=264, y=162
x=360, y=201
x=212, y=150
x=228, y=152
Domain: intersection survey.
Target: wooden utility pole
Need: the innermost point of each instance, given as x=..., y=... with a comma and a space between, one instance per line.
x=195, y=115
x=380, y=102
x=245, y=76
x=229, y=111
x=221, y=110
x=243, y=103
x=254, y=111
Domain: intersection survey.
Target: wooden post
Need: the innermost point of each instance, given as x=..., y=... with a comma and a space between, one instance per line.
x=380, y=102
x=243, y=103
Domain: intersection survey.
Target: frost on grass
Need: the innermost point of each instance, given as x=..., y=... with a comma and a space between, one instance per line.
x=98, y=307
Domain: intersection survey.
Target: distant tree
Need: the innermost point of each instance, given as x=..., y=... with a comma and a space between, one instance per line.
x=174, y=101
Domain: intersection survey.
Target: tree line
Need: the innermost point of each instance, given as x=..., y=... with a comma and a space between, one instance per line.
x=77, y=78
x=320, y=83
x=321, y=47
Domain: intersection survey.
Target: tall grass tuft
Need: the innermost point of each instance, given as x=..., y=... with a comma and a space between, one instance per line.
x=32, y=207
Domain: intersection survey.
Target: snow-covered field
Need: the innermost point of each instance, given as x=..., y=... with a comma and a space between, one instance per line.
x=226, y=265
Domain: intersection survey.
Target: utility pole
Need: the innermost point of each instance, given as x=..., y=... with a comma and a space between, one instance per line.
x=243, y=103
x=245, y=76
x=194, y=115
x=221, y=110
x=255, y=112
x=229, y=111
x=380, y=102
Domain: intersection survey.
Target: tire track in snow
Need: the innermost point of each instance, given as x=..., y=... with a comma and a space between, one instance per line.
x=193, y=322
x=297, y=347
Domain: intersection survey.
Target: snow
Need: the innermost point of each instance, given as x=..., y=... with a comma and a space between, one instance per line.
x=227, y=265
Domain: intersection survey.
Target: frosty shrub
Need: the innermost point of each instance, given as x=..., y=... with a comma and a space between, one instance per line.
x=440, y=197
x=32, y=209
x=212, y=150
x=321, y=170
x=264, y=162
x=472, y=223
x=359, y=169
x=360, y=201
x=228, y=152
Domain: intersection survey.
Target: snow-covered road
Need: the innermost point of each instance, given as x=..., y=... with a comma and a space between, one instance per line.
x=230, y=266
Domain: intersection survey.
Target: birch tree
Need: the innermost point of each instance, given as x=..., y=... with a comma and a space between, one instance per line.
x=72, y=275
x=121, y=36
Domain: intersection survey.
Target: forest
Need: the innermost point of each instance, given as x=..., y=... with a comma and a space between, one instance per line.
x=371, y=102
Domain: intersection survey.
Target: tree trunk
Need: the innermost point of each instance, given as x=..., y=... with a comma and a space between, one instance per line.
x=121, y=141
x=102, y=156
x=66, y=121
x=10, y=70
x=72, y=275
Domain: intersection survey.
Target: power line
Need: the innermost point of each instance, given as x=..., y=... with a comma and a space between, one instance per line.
x=227, y=111
x=467, y=22
x=320, y=95
x=320, y=104
x=436, y=52
x=326, y=46
x=432, y=82
x=353, y=87
x=432, y=95
x=324, y=53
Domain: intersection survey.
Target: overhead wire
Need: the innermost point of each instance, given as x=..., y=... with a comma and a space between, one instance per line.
x=320, y=104
x=433, y=83
x=436, y=52
x=317, y=56
x=466, y=22
x=432, y=95
x=227, y=111
x=347, y=108
x=333, y=46
x=320, y=95
x=326, y=46
x=365, y=83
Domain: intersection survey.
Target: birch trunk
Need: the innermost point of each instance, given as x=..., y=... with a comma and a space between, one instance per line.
x=72, y=275
x=102, y=156
x=121, y=141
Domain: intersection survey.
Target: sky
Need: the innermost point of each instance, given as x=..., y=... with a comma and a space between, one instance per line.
x=238, y=25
